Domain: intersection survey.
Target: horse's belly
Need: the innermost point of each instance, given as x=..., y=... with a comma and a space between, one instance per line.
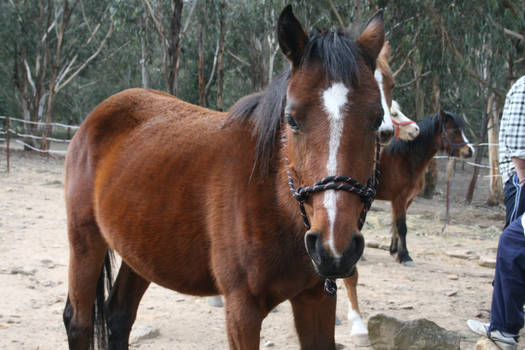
x=154, y=220
x=173, y=260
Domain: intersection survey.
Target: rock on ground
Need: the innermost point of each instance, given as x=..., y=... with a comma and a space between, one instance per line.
x=143, y=333
x=389, y=333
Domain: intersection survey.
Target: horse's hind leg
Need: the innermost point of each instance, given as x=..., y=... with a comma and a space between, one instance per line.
x=314, y=316
x=121, y=307
x=359, y=333
x=86, y=256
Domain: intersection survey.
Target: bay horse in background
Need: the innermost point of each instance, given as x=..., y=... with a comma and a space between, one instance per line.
x=403, y=165
x=406, y=130
x=199, y=201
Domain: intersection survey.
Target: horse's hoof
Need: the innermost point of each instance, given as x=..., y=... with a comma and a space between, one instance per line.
x=360, y=339
x=215, y=301
x=408, y=263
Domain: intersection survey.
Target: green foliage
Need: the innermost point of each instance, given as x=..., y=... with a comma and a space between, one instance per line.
x=463, y=38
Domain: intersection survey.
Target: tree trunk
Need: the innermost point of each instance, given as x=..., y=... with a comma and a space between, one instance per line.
x=143, y=68
x=220, y=62
x=479, y=157
x=419, y=96
x=174, y=42
x=143, y=59
x=201, y=66
x=431, y=174
x=496, y=188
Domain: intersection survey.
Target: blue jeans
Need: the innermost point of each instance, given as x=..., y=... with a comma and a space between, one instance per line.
x=508, y=295
x=514, y=201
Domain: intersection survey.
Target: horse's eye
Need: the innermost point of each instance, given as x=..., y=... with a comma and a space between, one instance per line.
x=292, y=122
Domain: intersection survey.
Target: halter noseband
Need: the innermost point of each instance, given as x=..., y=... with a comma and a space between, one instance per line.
x=366, y=192
x=398, y=126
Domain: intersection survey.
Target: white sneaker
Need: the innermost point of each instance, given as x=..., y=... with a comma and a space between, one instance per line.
x=503, y=342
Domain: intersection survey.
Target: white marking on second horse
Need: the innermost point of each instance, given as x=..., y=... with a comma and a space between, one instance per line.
x=387, y=119
x=467, y=141
x=358, y=326
x=334, y=100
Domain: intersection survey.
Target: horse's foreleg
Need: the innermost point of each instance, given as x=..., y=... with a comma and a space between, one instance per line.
x=399, y=210
x=314, y=315
x=359, y=333
x=121, y=307
x=86, y=257
x=402, y=254
x=243, y=320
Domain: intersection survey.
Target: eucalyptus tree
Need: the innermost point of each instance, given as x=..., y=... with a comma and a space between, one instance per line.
x=52, y=42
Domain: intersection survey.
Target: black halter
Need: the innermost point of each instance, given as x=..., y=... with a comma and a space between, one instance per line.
x=366, y=192
x=444, y=137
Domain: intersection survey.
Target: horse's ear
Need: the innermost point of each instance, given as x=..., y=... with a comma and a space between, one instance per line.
x=443, y=116
x=385, y=51
x=291, y=35
x=372, y=38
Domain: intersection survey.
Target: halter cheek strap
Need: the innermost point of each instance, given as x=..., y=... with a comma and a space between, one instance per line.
x=453, y=146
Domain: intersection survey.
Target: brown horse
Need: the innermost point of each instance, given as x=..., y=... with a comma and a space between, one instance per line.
x=404, y=128
x=199, y=201
x=403, y=166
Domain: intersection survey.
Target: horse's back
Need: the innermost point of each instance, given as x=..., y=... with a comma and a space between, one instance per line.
x=138, y=160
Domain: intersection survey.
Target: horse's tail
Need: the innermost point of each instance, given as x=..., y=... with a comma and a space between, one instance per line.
x=105, y=281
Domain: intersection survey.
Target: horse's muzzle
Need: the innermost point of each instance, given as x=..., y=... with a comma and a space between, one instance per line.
x=326, y=264
x=386, y=135
x=466, y=152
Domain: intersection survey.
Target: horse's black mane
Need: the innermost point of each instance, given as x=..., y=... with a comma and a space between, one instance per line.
x=334, y=51
x=428, y=128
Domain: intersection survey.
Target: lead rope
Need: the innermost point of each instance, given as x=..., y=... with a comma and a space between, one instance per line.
x=366, y=193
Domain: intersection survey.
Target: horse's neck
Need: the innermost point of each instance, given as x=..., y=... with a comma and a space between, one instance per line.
x=288, y=204
x=429, y=148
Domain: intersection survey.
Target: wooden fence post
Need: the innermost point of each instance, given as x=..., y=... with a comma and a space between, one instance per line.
x=7, y=141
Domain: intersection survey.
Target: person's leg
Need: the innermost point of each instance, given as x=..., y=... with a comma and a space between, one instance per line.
x=509, y=283
x=514, y=200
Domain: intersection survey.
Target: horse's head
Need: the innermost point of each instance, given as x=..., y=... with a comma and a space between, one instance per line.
x=333, y=112
x=453, y=139
x=385, y=80
x=404, y=129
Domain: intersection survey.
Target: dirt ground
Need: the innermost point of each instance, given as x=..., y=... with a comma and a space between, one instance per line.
x=447, y=284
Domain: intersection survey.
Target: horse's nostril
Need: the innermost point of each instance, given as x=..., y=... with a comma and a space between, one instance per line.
x=312, y=240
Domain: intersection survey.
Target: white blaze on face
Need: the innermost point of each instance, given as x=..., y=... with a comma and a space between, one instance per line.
x=396, y=113
x=387, y=121
x=468, y=143
x=334, y=100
